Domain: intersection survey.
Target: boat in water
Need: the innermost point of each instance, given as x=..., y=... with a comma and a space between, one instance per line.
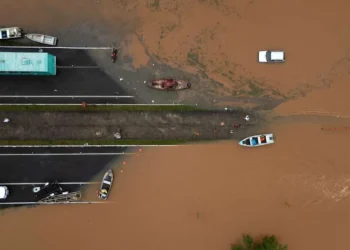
x=44, y=39
x=10, y=33
x=257, y=140
x=169, y=84
x=106, y=185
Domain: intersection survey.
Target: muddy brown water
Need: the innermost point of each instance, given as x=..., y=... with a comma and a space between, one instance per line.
x=205, y=196
x=297, y=189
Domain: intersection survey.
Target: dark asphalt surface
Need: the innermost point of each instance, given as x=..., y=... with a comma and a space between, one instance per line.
x=75, y=100
x=68, y=81
x=39, y=168
x=49, y=150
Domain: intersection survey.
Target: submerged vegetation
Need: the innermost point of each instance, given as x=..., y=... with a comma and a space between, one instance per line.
x=266, y=243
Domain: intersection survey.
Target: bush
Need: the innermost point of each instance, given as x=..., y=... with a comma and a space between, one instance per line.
x=267, y=243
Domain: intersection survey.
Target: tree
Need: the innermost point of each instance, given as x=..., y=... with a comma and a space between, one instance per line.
x=267, y=243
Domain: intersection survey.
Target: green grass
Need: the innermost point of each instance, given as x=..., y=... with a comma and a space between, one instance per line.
x=92, y=142
x=57, y=108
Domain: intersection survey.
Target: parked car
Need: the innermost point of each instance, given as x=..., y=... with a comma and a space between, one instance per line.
x=271, y=56
x=4, y=192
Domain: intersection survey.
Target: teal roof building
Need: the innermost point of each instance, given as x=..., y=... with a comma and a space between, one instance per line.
x=27, y=63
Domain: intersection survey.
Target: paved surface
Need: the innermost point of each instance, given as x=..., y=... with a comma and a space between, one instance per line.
x=39, y=168
x=63, y=168
x=71, y=79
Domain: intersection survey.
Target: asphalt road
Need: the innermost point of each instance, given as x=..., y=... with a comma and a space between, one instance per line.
x=77, y=75
x=40, y=165
x=79, y=165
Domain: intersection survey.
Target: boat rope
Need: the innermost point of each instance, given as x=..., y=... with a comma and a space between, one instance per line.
x=335, y=128
x=77, y=67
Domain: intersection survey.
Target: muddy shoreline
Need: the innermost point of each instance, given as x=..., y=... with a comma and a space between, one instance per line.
x=75, y=125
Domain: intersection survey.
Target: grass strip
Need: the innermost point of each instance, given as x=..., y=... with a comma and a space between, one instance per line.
x=92, y=142
x=88, y=108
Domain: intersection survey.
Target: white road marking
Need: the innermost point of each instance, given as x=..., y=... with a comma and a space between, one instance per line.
x=42, y=183
x=63, y=154
x=66, y=96
x=78, y=104
x=77, y=67
x=53, y=203
x=85, y=146
x=46, y=47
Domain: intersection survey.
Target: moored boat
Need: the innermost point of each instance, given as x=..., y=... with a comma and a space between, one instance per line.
x=106, y=185
x=44, y=39
x=257, y=140
x=169, y=84
x=10, y=33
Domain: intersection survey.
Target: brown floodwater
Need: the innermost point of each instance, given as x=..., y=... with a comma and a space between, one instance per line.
x=205, y=196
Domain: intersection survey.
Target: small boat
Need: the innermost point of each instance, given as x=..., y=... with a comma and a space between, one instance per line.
x=10, y=33
x=257, y=140
x=44, y=39
x=169, y=84
x=106, y=185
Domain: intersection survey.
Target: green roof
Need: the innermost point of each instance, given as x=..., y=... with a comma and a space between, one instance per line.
x=24, y=62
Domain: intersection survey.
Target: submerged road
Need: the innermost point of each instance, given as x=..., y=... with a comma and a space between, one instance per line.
x=22, y=169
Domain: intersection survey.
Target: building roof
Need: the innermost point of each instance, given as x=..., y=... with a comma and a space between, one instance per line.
x=24, y=62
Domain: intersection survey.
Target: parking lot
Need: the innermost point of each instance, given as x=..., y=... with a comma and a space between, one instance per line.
x=22, y=169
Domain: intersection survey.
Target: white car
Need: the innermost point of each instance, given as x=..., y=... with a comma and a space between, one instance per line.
x=4, y=192
x=271, y=56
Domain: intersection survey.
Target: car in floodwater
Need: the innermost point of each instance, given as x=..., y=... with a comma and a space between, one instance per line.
x=271, y=56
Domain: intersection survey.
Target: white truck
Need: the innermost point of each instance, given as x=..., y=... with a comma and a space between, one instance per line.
x=271, y=56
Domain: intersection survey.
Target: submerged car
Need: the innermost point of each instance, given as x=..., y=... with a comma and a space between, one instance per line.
x=4, y=192
x=271, y=56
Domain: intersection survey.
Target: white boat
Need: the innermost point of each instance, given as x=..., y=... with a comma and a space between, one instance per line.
x=10, y=33
x=106, y=185
x=257, y=140
x=44, y=39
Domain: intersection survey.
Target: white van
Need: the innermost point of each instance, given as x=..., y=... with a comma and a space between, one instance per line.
x=271, y=56
x=4, y=192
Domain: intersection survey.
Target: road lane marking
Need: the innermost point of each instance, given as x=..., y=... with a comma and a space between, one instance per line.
x=84, y=146
x=43, y=183
x=64, y=154
x=52, y=203
x=46, y=47
x=77, y=67
x=79, y=104
x=66, y=96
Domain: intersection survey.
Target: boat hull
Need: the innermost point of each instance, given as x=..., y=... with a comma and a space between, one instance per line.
x=106, y=185
x=43, y=39
x=180, y=85
x=10, y=33
x=256, y=141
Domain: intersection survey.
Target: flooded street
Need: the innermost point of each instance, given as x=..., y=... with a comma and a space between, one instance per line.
x=205, y=196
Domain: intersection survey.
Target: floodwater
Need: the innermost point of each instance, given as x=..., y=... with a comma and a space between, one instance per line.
x=206, y=196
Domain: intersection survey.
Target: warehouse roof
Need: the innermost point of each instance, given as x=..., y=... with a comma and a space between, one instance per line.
x=24, y=62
